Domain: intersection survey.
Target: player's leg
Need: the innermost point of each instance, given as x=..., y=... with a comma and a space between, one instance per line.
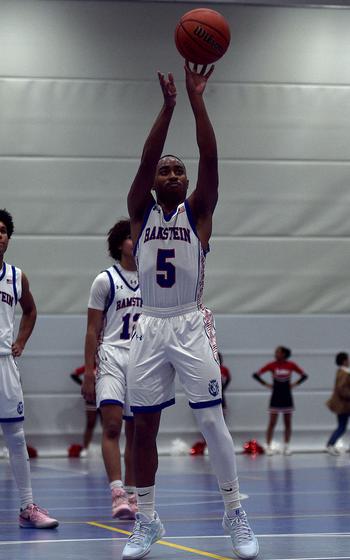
x=270, y=431
x=223, y=460
x=148, y=527
x=31, y=515
x=112, y=419
x=287, y=419
x=90, y=423
x=129, y=475
x=12, y=416
x=150, y=389
x=199, y=374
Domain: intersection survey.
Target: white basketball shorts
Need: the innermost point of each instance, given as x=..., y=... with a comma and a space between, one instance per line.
x=11, y=395
x=161, y=346
x=111, y=369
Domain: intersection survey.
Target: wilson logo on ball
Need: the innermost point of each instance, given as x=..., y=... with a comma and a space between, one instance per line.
x=209, y=39
x=202, y=36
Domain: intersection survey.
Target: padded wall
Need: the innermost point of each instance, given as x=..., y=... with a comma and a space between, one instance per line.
x=79, y=93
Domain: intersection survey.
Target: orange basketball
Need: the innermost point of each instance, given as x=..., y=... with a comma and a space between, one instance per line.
x=202, y=36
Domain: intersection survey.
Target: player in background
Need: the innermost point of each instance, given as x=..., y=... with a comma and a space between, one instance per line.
x=91, y=413
x=175, y=332
x=281, y=401
x=14, y=288
x=113, y=309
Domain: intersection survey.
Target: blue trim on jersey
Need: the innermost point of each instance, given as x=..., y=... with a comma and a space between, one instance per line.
x=8, y=420
x=154, y=408
x=14, y=284
x=111, y=401
x=124, y=279
x=145, y=220
x=205, y=404
x=111, y=293
x=127, y=418
x=3, y=271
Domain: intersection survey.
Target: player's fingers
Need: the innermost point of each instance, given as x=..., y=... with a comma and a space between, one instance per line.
x=210, y=71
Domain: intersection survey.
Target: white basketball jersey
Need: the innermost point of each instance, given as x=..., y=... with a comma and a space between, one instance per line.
x=10, y=293
x=170, y=259
x=122, y=305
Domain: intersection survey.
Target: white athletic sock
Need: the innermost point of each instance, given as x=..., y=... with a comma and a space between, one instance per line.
x=130, y=489
x=116, y=484
x=19, y=460
x=146, y=500
x=230, y=495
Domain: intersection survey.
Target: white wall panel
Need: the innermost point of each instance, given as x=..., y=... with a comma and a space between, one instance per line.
x=278, y=275
x=132, y=39
x=107, y=119
x=256, y=275
x=81, y=195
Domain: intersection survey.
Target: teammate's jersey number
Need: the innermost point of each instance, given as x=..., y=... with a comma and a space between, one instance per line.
x=166, y=272
x=127, y=327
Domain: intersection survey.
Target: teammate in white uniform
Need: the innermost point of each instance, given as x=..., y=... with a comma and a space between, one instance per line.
x=14, y=288
x=113, y=309
x=175, y=332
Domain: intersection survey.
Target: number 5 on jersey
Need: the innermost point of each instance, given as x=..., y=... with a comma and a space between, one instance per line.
x=166, y=272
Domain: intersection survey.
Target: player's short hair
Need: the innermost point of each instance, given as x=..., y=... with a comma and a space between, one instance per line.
x=6, y=218
x=116, y=235
x=286, y=352
x=341, y=357
x=174, y=157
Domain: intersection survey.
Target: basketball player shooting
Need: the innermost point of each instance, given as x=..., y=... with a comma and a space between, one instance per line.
x=175, y=332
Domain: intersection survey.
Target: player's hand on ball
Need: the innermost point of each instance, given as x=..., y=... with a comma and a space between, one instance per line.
x=196, y=79
x=168, y=88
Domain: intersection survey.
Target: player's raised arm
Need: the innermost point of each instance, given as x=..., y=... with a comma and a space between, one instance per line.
x=203, y=199
x=140, y=192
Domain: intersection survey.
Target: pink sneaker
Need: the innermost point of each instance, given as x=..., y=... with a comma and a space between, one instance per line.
x=36, y=517
x=120, y=504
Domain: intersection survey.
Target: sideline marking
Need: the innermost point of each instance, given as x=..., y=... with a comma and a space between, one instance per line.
x=164, y=543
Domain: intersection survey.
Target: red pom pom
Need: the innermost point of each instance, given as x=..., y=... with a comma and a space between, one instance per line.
x=74, y=450
x=252, y=447
x=32, y=452
x=198, y=448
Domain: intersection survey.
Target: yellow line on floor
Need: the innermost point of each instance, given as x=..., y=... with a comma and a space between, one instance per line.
x=164, y=543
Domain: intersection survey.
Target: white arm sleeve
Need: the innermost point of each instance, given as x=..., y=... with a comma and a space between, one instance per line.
x=99, y=292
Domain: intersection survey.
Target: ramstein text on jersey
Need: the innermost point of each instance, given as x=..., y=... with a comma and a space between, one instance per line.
x=171, y=233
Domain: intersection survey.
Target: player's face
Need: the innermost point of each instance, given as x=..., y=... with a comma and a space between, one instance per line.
x=279, y=354
x=4, y=239
x=127, y=247
x=170, y=181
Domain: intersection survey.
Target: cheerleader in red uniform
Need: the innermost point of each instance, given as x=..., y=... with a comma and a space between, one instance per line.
x=281, y=399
